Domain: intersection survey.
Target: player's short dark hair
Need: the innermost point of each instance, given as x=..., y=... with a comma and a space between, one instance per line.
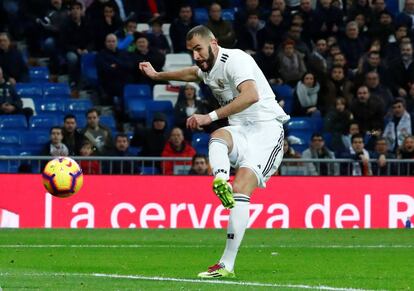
x=69, y=116
x=92, y=110
x=55, y=127
x=201, y=31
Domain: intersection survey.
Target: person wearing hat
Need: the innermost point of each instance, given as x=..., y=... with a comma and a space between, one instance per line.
x=151, y=140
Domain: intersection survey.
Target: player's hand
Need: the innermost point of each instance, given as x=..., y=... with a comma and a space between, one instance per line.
x=196, y=121
x=147, y=69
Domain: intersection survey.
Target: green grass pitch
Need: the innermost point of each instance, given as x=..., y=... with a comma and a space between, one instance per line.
x=144, y=259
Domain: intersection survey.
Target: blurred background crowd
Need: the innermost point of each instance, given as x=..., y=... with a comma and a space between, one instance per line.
x=70, y=84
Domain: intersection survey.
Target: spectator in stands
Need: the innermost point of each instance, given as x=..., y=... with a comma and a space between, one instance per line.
x=328, y=20
x=99, y=135
x=317, y=61
x=401, y=71
x=55, y=147
x=392, y=48
x=406, y=152
x=156, y=37
x=120, y=149
x=377, y=6
x=126, y=35
x=240, y=17
x=295, y=33
x=357, y=152
x=409, y=99
x=200, y=165
x=108, y=22
x=222, y=29
x=10, y=102
x=400, y=126
x=187, y=105
x=337, y=85
x=337, y=122
x=95, y=9
x=368, y=110
x=266, y=60
x=12, y=62
x=151, y=140
x=308, y=15
x=89, y=167
x=381, y=154
x=383, y=29
x=286, y=12
x=371, y=63
x=372, y=81
x=176, y=147
x=318, y=150
x=353, y=45
x=306, y=97
x=114, y=69
x=247, y=34
x=360, y=7
x=76, y=40
x=72, y=138
x=274, y=29
x=353, y=128
x=291, y=63
x=179, y=28
x=290, y=168
x=50, y=28
x=148, y=10
x=143, y=52
x=406, y=16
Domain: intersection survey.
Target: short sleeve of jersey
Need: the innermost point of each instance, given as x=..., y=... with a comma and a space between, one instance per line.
x=239, y=68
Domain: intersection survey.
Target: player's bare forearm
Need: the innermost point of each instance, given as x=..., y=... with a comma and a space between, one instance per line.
x=188, y=74
x=247, y=97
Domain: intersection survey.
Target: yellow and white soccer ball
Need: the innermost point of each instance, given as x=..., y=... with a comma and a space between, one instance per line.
x=62, y=177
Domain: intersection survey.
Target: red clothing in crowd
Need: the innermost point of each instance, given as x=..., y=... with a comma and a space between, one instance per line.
x=90, y=167
x=187, y=151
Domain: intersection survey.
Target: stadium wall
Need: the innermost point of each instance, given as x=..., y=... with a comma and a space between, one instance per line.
x=187, y=202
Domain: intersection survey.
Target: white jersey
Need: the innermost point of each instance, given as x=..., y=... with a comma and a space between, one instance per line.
x=233, y=67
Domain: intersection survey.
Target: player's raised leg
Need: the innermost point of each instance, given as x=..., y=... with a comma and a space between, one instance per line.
x=219, y=147
x=244, y=184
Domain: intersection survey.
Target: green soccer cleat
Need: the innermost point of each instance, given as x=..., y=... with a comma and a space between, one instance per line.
x=216, y=271
x=224, y=192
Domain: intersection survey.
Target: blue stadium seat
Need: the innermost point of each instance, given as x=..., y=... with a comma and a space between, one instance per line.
x=201, y=15
x=164, y=106
x=10, y=138
x=54, y=90
x=80, y=119
x=228, y=14
x=108, y=120
x=136, y=109
x=299, y=141
x=34, y=140
x=304, y=124
x=137, y=91
x=11, y=121
x=88, y=68
x=44, y=121
x=149, y=171
x=284, y=92
x=39, y=74
x=78, y=105
x=53, y=105
x=199, y=142
x=29, y=90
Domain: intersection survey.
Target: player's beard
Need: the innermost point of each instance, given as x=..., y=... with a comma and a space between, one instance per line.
x=209, y=62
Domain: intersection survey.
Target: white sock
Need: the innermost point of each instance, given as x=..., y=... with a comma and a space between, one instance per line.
x=219, y=159
x=239, y=217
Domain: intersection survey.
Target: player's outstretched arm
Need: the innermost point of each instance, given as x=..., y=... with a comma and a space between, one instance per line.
x=188, y=74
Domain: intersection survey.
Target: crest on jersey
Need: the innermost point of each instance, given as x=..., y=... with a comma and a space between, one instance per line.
x=220, y=83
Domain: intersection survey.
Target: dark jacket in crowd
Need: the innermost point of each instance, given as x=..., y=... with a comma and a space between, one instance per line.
x=75, y=36
x=13, y=65
x=178, y=33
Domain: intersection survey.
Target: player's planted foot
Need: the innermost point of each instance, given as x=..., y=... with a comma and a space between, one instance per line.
x=216, y=271
x=224, y=192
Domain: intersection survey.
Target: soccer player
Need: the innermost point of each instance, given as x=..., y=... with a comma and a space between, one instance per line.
x=252, y=144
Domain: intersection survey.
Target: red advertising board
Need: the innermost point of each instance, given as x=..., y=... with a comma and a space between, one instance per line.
x=187, y=202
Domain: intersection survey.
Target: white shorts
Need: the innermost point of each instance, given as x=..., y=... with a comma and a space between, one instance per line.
x=257, y=146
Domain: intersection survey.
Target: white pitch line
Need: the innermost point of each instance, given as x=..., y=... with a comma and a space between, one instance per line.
x=204, y=246
x=181, y=280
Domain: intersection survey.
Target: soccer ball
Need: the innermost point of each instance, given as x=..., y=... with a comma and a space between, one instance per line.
x=62, y=177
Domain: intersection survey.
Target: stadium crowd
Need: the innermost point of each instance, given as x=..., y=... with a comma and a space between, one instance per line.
x=344, y=66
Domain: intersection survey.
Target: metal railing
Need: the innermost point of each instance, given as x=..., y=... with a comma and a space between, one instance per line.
x=153, y=166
